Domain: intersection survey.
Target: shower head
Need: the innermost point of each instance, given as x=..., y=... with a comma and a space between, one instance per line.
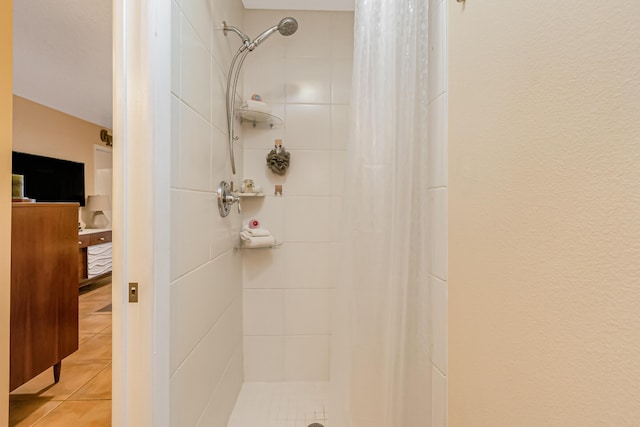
x=286, y=27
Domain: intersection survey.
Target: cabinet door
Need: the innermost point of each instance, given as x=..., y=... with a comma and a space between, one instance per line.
x=44, y=288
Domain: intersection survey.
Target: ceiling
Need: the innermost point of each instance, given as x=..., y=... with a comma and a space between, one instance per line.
x=62, y=56
x=62, y=52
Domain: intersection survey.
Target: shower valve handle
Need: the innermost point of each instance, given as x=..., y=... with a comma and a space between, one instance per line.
x=226, y=198
x=231, y=199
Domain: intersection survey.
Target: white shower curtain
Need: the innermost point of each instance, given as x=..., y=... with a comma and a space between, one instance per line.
x=382, y=363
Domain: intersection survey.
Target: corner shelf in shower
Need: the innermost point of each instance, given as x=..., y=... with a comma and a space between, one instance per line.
x=249, y=194
x=258, y=119
x=275, y=245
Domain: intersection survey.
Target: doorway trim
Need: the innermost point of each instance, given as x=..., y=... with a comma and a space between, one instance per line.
x=141, y=211
x=6, y=123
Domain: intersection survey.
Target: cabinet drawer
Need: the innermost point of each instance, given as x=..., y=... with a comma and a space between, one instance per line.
x=84, y=240
x=103, y=237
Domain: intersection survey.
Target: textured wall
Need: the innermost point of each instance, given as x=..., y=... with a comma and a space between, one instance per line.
x=544, y=214
x=38, y=129
x=5, y=201
x=206, y=276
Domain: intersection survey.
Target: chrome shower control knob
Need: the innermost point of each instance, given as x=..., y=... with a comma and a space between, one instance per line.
x=226, y=198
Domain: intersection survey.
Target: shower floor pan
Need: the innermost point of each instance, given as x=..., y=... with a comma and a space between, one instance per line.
x=281, y=405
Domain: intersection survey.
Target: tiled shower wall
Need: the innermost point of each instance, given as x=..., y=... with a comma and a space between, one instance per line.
x=206, y=299
x=438, y=171
x=288, y=290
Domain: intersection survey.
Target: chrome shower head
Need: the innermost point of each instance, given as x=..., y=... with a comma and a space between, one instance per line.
x=287, y=26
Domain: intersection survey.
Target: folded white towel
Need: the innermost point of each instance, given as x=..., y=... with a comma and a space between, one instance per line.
x=256, y=241
x=260, y=106
x=257, y=232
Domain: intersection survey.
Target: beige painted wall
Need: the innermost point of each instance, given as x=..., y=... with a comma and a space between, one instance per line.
x=544, y=205
x=6, y=46
x=47, y=132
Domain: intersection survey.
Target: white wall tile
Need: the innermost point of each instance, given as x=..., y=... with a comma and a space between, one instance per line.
x=198, y=12
x=342, y=35
x=176, y=357
x=340, y=126
x=341, y=72
x=438, y=232
x=308, y=81
x=307, y=311
x=223, y=399
x=307, y=219
x=437, y=50
x=308, y=127
x=306, y=358
x=263, y=312
x=336, y=219
x=309, y=173
x=195, y=150
x=437, y=178
x=438, y=399
x=224, y=231
x=198, y=300
x=219, y=156
x=311, y=39
x=438, y=158
x=307, y=265
x=196, y=71
x=438, y=302
x=265, y=77
x=264, y=358
x=190, y=230
x=175, y=142
x=338, y=162
x=218, y=97
x=174, y=400
x=337, y=264
x=206, y=346
x=264, y=269
x=196, y=379
x=176, y=37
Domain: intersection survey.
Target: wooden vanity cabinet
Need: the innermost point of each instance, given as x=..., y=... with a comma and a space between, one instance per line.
x=44, y=288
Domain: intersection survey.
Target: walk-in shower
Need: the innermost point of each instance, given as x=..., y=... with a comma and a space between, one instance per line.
x=286, y=27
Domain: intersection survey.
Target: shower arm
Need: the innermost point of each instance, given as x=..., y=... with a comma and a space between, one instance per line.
x=245, y=39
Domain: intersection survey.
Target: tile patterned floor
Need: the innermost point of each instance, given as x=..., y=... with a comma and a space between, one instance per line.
x=281, y=405
x=83, y=395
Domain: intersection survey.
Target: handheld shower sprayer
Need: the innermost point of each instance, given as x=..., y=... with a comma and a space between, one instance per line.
x=286, y=27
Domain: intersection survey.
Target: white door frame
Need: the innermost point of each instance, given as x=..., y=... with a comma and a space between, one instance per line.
x=141, y=201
